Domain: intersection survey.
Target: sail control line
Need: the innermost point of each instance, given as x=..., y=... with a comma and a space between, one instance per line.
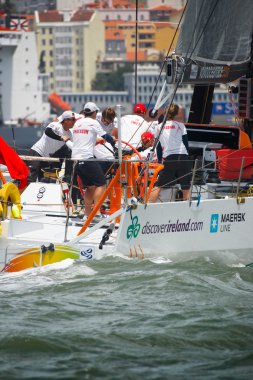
x=174, y=77
x=160, y=102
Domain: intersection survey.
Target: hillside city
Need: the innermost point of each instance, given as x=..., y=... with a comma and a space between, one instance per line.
x=57, y=55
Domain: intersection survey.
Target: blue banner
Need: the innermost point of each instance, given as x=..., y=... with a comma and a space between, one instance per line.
x=222, y=109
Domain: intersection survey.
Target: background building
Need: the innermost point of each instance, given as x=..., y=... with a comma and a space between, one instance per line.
x=30, y=6
x=23, y=95
x=169, y=3
x=69, y=45
x=101, y=98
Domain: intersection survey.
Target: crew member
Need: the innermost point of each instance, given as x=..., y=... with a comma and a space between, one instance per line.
x=56, y=134
x=176, y=162
x=85, y=132
x=103, y=150
x=147, y=142
x=107, y=119
x=132, y=127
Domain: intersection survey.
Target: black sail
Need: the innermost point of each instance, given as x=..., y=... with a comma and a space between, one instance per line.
x=215, y=40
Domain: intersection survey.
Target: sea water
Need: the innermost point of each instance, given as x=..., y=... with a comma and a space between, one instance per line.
x=117, y=318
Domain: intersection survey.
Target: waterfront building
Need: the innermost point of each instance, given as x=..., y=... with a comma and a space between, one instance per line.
x=178, y=4
x=69, y=45
x=102, y=98
x=71, y=5
x=29, y=6
x=124, y=14
x=23, y=92
x=106, y=4
x=153, y=40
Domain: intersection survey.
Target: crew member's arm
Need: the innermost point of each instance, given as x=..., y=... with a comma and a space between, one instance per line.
x=50, y=133
x=159, y=152
x=114, y=132
x=109, y=139
x=100, y=132
x=185, y=142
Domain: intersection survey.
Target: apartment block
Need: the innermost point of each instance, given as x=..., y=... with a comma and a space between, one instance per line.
x=23, y=94
x=69, y=45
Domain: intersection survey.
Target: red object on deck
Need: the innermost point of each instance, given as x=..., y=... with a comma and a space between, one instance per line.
x=17, y=167
x=229, y=163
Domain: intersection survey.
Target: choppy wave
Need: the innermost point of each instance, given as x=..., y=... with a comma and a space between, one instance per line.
x=119, y=319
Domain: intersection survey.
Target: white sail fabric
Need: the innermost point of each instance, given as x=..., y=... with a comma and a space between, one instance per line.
x=217, y=31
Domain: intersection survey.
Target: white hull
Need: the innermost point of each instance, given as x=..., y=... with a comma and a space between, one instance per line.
x=33, y=233
x=43, y=224
x=173, y=230
x=178, y=230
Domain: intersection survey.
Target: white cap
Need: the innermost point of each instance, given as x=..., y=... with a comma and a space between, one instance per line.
x=90, y=107
x=66, y=115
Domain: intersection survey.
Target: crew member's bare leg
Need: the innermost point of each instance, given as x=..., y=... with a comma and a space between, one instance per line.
x=88, y=199
x=154, y=194
x=99, y=191
x=186, y=194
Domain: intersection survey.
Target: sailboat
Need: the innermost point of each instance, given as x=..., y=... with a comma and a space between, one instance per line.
x=215, y=221
x=214, y=46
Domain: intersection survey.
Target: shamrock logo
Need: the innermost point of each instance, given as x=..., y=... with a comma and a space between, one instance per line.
x=134, y=228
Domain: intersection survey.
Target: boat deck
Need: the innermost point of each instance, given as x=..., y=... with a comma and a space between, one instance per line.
x=43, y=229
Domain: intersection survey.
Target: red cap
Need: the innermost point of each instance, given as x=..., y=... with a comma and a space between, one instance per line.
x=146, y=137
x=140, y=109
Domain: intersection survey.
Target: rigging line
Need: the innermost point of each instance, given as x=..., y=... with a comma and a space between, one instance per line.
x=182, y=74
x=168, y=51
x=179, y=79
x=136, y=58
x=176, y=87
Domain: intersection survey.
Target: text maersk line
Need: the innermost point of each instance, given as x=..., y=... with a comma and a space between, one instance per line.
x=171, y=227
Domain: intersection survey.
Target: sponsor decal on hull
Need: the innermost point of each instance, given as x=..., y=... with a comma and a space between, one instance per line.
x=223, y=222
x=164, y=228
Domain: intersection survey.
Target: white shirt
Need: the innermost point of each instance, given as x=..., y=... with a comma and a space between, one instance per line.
x=46, y=146
x=101, y=152
x=145, y=153
x=107, y=128
x=171, y=138
x=85, y=132
x=152, y=126
x=132, y=127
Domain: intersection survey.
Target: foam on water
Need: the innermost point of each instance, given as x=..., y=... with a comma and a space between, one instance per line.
x=161, y=260
x=46, y=276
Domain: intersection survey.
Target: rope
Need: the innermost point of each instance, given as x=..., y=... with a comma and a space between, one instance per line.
x=183, y=71
x=174, y=36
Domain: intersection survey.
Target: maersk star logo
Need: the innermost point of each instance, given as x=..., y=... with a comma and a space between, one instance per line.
x=214, y=223
x=134, y=228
